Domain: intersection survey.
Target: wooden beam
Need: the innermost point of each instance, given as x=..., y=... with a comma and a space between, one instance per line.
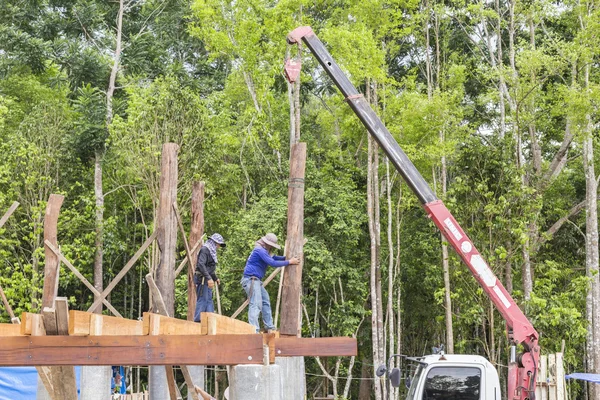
x=156, y=324
x=115, y=326
x=124, y=271
x=322, y=347
x=196, y=232
x=167, y=225
x=292, y=277
x=131, y=350
x=191, y=292
x=83, y=323
x=26, y=322
x=172, y=384
x=61, y=305
x=8, y=308
x=79, y=323
x=215, y=324
x=82, y=278
x=8, y=213
x=49, y=315
x=10, y=330
x=185, y=260
x=51, y=269
x=265, y=283
x=159, y=303
x=37, y=325
x=161, y=349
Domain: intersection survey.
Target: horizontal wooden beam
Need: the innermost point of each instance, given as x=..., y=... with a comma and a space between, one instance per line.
x=215, y=324
x=156, y=324
x=10, y=330
x=131, y=350
x=322, y=347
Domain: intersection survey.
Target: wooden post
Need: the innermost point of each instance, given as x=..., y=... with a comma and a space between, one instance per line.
x=8, y=213
x=167, y=226
x=196, y=232
x=560, y=377
x=292, y=278
x=52, y=263
x=552, y=377
x=59, y=381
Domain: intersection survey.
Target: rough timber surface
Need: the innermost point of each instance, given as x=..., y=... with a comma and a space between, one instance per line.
x=131, y=350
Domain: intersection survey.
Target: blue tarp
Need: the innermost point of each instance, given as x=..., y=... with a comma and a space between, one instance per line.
x=584, y=377
x=20, y=383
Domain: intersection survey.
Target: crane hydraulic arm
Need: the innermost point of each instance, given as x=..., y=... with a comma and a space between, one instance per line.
x=523, y=367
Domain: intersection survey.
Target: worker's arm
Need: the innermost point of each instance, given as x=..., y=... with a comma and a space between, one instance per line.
x=272, y=261
x=279, y=258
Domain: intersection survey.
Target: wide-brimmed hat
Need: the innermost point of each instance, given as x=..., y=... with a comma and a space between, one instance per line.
x=271, y=240
x=219, y=239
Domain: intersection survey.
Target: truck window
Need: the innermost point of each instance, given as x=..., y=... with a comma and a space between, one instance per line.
x=453, y=383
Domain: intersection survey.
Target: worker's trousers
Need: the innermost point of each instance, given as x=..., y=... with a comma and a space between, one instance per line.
x=259, y=302
x=204, y=299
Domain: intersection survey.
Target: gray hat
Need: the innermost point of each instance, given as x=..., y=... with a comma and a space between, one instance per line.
x=271, y=240
x=219, y=239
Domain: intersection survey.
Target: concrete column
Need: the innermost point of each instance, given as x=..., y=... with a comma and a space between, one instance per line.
x=197, y=373
x=157, y=383
x=95, y=382
x=252, y=382
x=293, y=377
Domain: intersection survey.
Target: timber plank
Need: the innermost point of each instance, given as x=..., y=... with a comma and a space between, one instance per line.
x=323, y=347
x=156, y=324
x=10, y=330
x=215, y=324
x=131, y=350
x=61, y=305
x=49, y=315
x=115, y=326
x=79, y=323
x=26, y=321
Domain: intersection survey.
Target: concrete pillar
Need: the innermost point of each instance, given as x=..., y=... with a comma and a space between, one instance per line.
x=157, y=383
x=95, y=382
x=293, y=377
x=197, y=373
x=252, y=382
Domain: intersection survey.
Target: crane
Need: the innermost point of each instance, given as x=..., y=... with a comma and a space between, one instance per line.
x=522, y=367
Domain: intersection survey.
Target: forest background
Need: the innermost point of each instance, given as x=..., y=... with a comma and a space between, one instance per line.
x=495, y=101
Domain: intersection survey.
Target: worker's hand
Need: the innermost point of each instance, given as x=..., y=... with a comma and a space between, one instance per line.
x=294, y=261
x=211, y=283
x=218, y=281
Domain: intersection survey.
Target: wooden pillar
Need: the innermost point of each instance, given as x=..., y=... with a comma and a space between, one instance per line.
x=292, y=278
x=196, y=232
x=58, y=381
x=167, y=226
x=52, y=262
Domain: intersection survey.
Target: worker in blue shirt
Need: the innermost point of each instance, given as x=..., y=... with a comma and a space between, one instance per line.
x=254, y=272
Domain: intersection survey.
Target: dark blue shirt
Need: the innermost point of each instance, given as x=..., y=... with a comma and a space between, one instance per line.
x=258, y=261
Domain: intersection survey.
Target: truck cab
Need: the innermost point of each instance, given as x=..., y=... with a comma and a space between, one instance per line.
x=453, y=377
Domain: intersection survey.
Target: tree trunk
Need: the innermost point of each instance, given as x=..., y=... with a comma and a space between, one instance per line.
x=99, y=240
x=99, y=156
x=373, y=235
x=390, y=299
x=591, y=247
